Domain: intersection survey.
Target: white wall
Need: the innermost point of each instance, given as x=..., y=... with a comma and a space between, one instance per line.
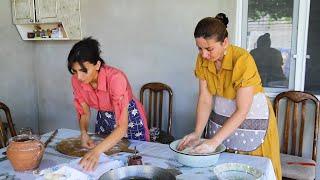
x=17, y=78
x=148, y=40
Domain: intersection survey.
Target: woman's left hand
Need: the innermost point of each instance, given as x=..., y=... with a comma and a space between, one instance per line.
x=90, y=160
x=205, y=147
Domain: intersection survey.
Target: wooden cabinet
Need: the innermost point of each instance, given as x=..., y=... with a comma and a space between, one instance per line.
x=47, y=13
x=23, y=11
x=69, y=13
x=35, y=11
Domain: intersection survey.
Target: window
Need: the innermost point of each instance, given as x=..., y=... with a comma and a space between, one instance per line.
x=270, y=38
x=288, y=58
x=312, y=72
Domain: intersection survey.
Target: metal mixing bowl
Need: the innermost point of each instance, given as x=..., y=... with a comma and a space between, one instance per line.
x=140, y=172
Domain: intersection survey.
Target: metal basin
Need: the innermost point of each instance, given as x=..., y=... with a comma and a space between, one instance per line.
x=140, y=172
x=196, y=160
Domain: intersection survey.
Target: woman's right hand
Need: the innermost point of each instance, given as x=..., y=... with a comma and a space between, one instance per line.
x=190, y=140
x=86, y=141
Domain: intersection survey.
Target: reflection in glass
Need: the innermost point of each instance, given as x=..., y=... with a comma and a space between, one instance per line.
x=269, y=38
x=269, y=62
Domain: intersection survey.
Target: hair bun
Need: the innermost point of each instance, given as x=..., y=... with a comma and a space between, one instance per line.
x=223, y=18
x=267, y=35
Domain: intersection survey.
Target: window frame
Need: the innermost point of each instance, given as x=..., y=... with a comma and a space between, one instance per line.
x=298, y=68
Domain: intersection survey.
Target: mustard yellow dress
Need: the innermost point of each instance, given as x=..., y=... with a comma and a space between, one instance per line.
x=239, y=70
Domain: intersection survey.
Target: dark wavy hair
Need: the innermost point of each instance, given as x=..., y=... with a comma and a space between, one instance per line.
x=212, y=27
x=86, y=50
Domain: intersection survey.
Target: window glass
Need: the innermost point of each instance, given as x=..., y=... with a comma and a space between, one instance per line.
x=312, y=80
x=269, y=39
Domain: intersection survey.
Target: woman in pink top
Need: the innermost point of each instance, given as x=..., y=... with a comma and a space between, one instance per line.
x=106, y=89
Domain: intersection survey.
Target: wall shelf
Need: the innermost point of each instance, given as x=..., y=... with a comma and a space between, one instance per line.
x=47, y=39
x=47, y=14
x=24, y=29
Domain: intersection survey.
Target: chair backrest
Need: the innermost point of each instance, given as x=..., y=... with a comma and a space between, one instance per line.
x=291, y=131
x=3, y=138
x=155, y=104
x=9, y=119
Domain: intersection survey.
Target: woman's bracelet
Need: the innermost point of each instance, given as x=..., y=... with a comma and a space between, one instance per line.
x=83, y=133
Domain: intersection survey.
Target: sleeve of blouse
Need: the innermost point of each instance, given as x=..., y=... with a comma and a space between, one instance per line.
x=245, y=72
x=78, y=98
x=199, y=73
x=119, y=93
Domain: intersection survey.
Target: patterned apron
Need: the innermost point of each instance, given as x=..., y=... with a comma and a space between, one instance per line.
x=251, y=133
x=106, y=123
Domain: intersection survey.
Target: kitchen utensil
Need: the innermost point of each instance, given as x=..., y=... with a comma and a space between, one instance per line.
x=50, y=138
x=138, y=172
x=196, y=160
x=230, y=171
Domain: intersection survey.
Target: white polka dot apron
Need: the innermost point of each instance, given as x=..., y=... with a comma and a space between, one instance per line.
x=106, y=123
x=251, y=133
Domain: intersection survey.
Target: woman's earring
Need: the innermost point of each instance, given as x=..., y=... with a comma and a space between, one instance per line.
x=225, y=52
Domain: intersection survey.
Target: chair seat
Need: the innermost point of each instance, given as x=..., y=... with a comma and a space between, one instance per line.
x=164, y=138
x=297, y=171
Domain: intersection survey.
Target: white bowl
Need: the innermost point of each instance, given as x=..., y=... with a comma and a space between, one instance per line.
x=196, y=160
x=233, y=171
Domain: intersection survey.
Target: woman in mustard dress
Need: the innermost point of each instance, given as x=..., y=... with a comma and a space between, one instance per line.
x=231, y=98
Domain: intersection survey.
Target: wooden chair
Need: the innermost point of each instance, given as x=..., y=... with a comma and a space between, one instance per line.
x=3, y=136
x=6, y=125
x=155, y=107
x=293, y=164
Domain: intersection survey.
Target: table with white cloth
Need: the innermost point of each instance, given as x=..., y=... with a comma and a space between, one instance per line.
x=154, y=154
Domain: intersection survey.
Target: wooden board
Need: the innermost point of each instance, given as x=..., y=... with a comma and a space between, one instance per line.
x=72, y=146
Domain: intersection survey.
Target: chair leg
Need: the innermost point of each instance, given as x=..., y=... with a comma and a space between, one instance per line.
x=2, y=138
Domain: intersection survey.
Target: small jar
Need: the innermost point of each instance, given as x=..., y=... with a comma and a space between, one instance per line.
x=31, y=35
x=134, y=160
